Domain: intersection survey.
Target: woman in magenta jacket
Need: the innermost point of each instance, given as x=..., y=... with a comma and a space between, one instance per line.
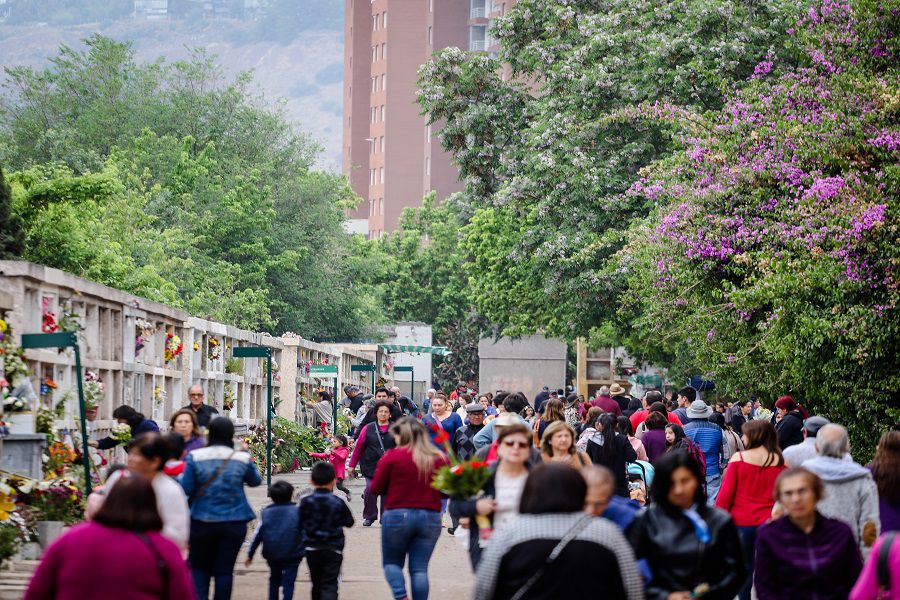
x=120, y=554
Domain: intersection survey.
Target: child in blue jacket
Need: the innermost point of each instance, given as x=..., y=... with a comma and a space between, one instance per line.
x=282, y=545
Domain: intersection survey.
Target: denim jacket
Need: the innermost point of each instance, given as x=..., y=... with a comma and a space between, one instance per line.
x=224, y=499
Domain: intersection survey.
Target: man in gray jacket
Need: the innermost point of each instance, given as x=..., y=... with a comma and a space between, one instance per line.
x=850, y=492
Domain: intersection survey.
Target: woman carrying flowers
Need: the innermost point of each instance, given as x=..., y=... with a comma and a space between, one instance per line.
x=125, y=415
x=497, y=503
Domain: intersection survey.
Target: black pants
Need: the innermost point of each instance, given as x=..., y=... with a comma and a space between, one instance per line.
x=324, y=569
x=214, y=549
x=340, y=485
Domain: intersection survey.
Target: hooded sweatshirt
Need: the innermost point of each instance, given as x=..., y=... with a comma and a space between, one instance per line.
x=850, y=494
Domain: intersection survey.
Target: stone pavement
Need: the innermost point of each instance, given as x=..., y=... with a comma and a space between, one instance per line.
x=449, y=570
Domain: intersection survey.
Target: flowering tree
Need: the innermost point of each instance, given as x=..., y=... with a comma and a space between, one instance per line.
x=544, y=163
x=772, y=262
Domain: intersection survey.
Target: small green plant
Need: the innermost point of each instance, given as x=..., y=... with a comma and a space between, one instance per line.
x=233, y=366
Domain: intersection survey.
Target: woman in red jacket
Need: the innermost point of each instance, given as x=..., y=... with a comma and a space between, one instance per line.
x=411, y=523
x=747, y=486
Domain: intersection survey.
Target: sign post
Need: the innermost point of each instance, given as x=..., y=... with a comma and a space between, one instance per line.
x=412, y=379
x=328, y=372
x=67, y=340
x=262, y=352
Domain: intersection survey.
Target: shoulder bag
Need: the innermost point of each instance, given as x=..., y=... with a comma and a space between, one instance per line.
x=554, y=554
x=203, y=487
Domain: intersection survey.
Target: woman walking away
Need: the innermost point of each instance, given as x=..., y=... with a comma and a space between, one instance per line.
x=544, y=552
x=747, y=487
x=214, y=479
x=554, y=411
x=804, y=555
x=558, y=445
x=184, y=423
x=338, y=458
x=411, y=523
x=611, y=450
x=886, y=473
x=624, y=427
x=499, y=499
x=374, y=441
x=693, y=549
x=125, y=415
x=654, y=439
x=119, y=554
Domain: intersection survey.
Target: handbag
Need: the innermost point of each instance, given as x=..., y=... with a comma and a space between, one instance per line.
x=882, y=570
x=199, y=491
x=570, y=535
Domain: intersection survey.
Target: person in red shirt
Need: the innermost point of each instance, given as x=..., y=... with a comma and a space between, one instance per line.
x=411, y=523
x=604, y=401
x=747, y=486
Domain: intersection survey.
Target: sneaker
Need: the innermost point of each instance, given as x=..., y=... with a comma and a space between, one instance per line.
x=367, y=523
x=451, y=530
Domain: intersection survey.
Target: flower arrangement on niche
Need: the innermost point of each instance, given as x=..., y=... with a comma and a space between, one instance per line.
x=143, y=331
x=174, y=347
x=228, y=396
x=214, y=350
x=159, y=396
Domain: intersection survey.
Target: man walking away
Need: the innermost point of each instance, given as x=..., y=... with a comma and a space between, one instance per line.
x=711, y=440
x=796, y=455
x=323, y=517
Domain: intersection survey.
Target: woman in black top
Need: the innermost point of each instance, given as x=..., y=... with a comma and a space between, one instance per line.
x=612, y=450
x=741, y=415
x=692, y=549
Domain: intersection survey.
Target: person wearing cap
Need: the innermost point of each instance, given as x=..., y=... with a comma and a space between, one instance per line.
x=796, y=455
x=711, y=440
x=789, y=422
x=463, y=444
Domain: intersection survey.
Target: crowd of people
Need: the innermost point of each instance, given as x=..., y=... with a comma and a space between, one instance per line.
x=665, y=497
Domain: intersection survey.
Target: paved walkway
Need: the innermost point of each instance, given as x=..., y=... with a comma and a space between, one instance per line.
x=449, y=570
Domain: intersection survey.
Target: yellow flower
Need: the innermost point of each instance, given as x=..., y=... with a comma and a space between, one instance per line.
x=3, y=326
x=6, y=507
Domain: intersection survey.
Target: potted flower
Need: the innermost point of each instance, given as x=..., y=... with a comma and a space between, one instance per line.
x=214, y=351
x=93, y=394
x=56, y=504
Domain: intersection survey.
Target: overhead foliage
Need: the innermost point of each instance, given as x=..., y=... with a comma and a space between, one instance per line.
x=170, y=182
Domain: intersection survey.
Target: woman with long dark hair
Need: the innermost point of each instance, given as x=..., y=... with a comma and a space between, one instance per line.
x=554, y=410
x=747, y=486
x=544, y=552
x=692, y=549
x=886, y=473
x=118, y=554
x=214, y=479
x=126, y=415
x=411, y=523
x=611, y=449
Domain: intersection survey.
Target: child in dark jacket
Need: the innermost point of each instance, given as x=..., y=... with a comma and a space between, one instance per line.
x=282, y=545
x=323, y=517
x=338, y=458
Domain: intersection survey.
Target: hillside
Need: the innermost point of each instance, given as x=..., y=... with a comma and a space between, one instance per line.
x=304, y=72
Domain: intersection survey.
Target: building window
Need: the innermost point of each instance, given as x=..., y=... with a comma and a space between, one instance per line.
x=381, y=174
x=350, y=93
x=372, y=110
x=430, y=36
x=374, y=22
x=373, y=85
x=381, y=205
x=374, y=53
x=430, y=6
x=382, y=144
x=384, y=20
x=371, y=176
x=383, y=81
x=427, y=165
x=384, y=51
x=382, y=113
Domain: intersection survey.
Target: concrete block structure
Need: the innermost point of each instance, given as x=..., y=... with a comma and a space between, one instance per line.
x=521, y=365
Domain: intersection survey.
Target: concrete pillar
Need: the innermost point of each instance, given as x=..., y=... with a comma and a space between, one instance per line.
x=288, y=372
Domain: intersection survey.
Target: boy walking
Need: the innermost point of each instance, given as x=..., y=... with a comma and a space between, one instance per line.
x=323, y=517
x=279, y=534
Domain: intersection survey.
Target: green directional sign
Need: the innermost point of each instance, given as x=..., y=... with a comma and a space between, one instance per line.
x=362, y=368
x=323, y=371
x=251, y=352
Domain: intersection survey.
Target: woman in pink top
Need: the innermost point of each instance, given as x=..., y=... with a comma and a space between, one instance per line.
x=119, y=554
x=747, y=487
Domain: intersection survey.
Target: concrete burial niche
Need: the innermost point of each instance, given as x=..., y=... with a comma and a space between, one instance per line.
x=20, y=453
x=521, y=365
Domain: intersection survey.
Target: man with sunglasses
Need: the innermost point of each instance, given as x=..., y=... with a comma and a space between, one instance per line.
x=203, y=411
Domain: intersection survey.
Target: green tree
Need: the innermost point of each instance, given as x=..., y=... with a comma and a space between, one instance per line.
x=12, y=235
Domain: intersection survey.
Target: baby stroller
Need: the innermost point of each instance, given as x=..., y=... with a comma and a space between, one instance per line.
x=640, y=476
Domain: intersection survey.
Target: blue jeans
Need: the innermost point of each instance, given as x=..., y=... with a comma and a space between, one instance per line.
x=282, y=576
x=214, y=549
x=713, y=483
x=412, y=531
x=747, y=536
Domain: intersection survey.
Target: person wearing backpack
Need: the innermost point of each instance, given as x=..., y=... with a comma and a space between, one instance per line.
x=712, y=441
x=880, y=577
